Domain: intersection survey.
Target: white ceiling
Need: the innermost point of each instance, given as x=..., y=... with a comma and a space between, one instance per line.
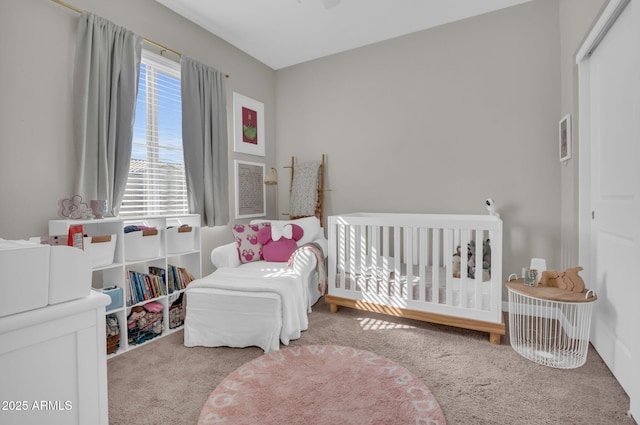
x=281, y=33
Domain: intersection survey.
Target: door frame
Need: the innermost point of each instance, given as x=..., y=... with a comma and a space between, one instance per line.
x=606, y=20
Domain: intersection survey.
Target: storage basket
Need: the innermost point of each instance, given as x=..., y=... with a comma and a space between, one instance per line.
x=113, y=333
x=25, y=276
x=177, y=312
x=176, y=316
x=180, y=239
x=142, y=245
x=550, y=326
x=116, y=298
x=101, y=249
x=113, y=342
x=145, y=327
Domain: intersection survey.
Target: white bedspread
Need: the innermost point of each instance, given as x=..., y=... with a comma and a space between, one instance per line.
x=286, y=284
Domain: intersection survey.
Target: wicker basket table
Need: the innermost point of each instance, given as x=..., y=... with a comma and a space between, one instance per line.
x=550, y=326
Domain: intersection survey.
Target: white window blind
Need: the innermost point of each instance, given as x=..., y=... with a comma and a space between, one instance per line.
x=156, y=183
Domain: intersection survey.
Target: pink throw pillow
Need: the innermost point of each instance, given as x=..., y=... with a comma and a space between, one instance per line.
x=246, y=236
x=279, y=250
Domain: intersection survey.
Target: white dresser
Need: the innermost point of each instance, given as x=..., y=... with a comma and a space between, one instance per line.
x=53, y=365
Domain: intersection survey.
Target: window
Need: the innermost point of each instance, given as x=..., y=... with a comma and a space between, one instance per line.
x=156, y=184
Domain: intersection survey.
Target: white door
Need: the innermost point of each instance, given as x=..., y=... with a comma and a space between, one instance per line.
x=609, y=80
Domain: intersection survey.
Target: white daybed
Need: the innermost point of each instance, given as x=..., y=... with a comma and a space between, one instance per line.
x=257, y=303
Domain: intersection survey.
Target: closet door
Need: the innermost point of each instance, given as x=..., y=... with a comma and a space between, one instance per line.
x=610, y=124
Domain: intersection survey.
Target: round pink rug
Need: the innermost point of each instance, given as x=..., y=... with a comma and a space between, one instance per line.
x=321, y=384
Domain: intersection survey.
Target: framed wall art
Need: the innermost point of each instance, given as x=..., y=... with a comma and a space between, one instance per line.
x=250, y=190
x=248, y=125
x=565, y=137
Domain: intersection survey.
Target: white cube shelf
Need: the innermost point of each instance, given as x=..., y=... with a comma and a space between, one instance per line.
x=136, y=252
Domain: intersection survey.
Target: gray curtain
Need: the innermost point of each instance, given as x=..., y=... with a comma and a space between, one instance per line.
x=204, y=138
x=107, y=65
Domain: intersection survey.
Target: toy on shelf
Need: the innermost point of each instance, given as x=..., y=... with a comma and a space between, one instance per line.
x=569, y=279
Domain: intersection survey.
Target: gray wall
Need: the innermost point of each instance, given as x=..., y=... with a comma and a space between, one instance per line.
x=431, y=122
x=37, y=158
x=576, y=19
x=438, y=121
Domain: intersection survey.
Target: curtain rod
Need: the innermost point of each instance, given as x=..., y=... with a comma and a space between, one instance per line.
x=158, y=45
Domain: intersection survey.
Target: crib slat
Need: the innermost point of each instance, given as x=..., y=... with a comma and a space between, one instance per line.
x=397, y=258
x=342, y=253
x=386, y=266
x=423, y=264
x=479, y=275
x=408, y=259
x=362, y=256
x=447, y=250
x=448, y=262
x=353, y=257
x=435, y=261
x=375, y=254
x=495, y=236
x=465, y=239
x=454, y=285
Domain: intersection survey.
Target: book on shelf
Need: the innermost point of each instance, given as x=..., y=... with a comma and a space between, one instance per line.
x=158, y=271
x=170, y=279
x=179, y=278
x=158, y=282
x=143, y=286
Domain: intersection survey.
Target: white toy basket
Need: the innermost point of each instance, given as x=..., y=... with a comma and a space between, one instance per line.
x=550, y=326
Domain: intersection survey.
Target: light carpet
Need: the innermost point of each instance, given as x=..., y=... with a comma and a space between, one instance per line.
x=322, y=384
x=476, y=383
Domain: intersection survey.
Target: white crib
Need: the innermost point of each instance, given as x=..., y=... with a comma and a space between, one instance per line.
x=403, y=265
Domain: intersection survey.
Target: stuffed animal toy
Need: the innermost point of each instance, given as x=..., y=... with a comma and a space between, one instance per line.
x=471, y=259
x=486, y=259
x=455, y=262
x=486, y=254
x=278, y=243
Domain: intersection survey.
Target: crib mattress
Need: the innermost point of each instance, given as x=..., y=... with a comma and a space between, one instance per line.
x=398, y=284
x=219, y=317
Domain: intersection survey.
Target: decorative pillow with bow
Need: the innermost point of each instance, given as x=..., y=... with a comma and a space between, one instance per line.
x=279, y=242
